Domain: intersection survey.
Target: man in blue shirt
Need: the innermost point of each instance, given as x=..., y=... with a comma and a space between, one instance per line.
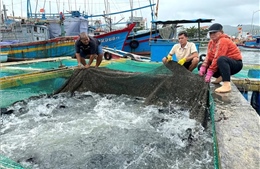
x=87, y=47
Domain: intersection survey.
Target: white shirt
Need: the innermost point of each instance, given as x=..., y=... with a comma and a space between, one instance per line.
x=184, y=52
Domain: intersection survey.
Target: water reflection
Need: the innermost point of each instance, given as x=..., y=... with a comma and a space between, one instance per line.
x=91, y=130
x=249, y=57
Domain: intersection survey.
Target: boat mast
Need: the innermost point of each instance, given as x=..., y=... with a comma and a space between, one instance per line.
x=1, y=21
x=107, y=18
x=21, y=8
x=13, y=8
x=131, y=7
x=29, y=9
x=152, y=12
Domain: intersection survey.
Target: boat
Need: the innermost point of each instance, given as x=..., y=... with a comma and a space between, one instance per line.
x=110, y=53
x=253, y=46
x=247, y=42
x=3, y=57
x=249, y=48
x=53, y=35
x=138, y=42
x=48, y=40
x=161, y=47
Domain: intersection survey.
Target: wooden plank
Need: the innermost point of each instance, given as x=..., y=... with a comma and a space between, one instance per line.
x=34, y=61
x=249, y=84
x=19, y=80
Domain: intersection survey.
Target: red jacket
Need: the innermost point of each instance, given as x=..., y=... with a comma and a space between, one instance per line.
x=222, y=47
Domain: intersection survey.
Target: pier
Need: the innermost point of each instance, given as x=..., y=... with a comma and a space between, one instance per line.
x=237, y=130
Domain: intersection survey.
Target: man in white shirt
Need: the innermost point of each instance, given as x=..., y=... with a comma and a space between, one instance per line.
x=186, y=52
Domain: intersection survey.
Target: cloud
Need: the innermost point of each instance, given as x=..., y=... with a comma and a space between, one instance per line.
x=226, y=12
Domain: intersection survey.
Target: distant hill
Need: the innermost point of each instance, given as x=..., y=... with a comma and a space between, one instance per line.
x=232, y=30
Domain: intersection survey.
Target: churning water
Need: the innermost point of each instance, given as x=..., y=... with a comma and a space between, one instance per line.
x=95, y=131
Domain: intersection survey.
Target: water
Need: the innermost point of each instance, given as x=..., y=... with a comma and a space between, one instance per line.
x=93, y=131
x=11, y=95
x=35, y=67
x=102, y=131
x=249, y=57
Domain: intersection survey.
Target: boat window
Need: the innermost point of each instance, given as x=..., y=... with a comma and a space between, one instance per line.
x=29, y=30
x=42, y=30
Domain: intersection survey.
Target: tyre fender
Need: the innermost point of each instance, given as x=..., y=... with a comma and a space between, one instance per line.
x=107, y=55
x=202, y=57
x=134, y=44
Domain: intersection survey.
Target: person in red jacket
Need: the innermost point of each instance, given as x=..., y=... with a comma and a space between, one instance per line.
x=223, y=59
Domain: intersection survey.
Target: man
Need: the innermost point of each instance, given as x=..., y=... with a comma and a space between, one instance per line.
x=186, y=52
x=88, y=48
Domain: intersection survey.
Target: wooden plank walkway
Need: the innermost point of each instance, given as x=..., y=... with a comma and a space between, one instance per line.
x=238, y=129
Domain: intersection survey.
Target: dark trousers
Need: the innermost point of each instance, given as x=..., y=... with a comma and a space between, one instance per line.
x=226, y=67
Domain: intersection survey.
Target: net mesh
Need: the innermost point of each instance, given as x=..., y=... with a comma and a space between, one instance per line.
x=169, y=84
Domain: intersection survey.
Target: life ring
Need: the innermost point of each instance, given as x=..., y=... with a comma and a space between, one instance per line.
x=129, y=56
x=107, y=55
x=202, y=57
x=134, y=44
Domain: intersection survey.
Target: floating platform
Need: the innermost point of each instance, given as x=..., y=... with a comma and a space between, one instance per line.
x=237, y=130
x=236, y=123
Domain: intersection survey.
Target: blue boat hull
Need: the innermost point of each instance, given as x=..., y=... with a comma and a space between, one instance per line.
x=141, y=41
x=161, y=48
x=62, y=46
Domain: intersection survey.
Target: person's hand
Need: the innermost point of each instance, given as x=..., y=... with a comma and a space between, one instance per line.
x=79, y=65
x=202, y=71
x=87, y=66
x=208, y=76
x=169, y=58
x=182, y=61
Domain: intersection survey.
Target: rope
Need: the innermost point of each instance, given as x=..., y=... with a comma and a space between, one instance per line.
x=214, y=136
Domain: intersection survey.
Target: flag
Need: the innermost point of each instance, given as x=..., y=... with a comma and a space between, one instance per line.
x=42, y=10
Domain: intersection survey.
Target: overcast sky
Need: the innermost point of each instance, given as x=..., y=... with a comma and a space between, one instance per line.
x=226, y=12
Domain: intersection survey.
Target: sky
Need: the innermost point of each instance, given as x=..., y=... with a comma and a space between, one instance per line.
x=225, y=12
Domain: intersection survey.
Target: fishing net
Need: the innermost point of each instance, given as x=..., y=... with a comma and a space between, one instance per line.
x=166, y=85
x=8, y=163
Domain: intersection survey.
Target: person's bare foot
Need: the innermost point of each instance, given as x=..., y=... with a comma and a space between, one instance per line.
x=226, y=87
x=218, y=80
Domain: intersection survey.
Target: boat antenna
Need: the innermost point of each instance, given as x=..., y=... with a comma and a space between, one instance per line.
x=131, y=7
x=29, y=9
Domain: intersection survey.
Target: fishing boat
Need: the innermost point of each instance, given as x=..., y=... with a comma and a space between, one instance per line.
x=253, y=46
x=161, y=47
x=110, y=53
x=138, y=41
x=249, y=48
x=48, y=40
x=3, y=57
